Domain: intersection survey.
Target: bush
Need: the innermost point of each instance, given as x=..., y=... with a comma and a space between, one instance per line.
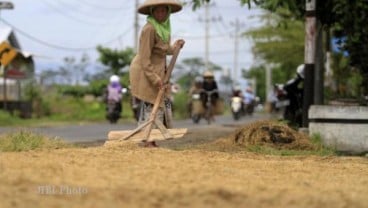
x=7, y=119
x=181, y=105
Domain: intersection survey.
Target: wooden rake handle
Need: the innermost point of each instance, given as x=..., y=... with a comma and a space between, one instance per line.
x=161, y=93
x=166, y=81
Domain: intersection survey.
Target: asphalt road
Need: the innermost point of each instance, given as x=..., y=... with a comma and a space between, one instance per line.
x=97, y=132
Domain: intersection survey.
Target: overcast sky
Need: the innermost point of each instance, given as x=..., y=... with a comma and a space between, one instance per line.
x=54, y=29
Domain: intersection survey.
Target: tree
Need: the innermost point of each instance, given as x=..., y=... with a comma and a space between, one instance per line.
x=281, y=44
x=72, y=71
x=192, y=67
x=115, y=60
x=346, y=18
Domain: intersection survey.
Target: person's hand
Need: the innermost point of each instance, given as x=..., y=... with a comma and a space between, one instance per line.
x=179, y=43
x=160, y=85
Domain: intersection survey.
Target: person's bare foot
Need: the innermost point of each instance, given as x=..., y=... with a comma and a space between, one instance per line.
x=150, y=144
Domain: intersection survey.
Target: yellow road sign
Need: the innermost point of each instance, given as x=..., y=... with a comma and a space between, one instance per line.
x=7, y=53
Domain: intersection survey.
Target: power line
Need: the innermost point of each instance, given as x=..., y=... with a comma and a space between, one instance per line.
x=204, y=37
x=78, y=8
x=55, y=46
x=87, y=3
x=63, y=13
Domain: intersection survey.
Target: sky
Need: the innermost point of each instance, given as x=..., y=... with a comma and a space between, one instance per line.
x=54, y=29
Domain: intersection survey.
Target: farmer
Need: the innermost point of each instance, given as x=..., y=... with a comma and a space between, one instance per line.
x=148, y=67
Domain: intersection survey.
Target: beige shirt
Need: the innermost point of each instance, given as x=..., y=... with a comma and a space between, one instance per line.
x=148, y=66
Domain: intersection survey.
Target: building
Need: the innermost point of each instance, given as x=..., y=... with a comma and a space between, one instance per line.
x=15, y=76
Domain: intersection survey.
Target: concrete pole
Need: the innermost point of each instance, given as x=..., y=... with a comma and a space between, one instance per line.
x=309, y=58
x=207, y=30
x=268, y=81
x=236, y=49
x=319, y=68
x=136, y=26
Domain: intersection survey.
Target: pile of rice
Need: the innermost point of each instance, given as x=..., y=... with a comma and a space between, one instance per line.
x=272, y=133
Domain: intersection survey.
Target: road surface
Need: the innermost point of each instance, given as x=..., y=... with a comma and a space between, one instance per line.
x=97, y=132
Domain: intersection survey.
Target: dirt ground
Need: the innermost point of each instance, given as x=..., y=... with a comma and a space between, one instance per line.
x=189, y=172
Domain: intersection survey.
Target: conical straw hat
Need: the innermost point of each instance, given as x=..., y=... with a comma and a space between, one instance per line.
x=145, y=7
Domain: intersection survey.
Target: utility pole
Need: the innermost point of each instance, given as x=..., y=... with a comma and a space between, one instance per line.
x=237, y=26
x=269, y=84
x=236, y=51
x=207, y=31
x=309, y=58
x=207, y=21
x=136, y=26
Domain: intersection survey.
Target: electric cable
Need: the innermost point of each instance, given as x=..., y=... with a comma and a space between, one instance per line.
x=101, y=7
x=67, y=15
x=55, y=46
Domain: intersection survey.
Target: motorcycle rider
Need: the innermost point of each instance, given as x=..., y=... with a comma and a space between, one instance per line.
x=249, y=100
x=113, y=93
x=237, y=92
x=209, y=84
x=196, y=86
x=294, y=93
x=236, y=103
x=195, y=89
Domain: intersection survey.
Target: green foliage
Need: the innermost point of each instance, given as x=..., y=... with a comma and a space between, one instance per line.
x=7, y=119
x=320, y=148
x=115, y=60
x=347, y=80
x=75, y=91
x=345, y=18
x=181, y=100
x=97, y=87
x=282, y=44
x=25, y=141
x=74, y=108
x=33, y=93
x=274, y=43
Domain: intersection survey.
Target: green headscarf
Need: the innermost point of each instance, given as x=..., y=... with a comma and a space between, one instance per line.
x=163, y=29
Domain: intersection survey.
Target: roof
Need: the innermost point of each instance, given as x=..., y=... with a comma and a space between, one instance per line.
x=7, y=34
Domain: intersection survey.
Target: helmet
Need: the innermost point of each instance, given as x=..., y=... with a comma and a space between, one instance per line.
x=207, y=74
x=114, y=78
x=248, y=89
x=300, y=70
x=198, y=79
x=237, y=88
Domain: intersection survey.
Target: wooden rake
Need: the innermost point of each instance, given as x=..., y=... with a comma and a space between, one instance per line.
x=148, y=125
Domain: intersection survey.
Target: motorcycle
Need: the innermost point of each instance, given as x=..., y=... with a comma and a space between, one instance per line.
x=113, y=111
x=207, y=97
x=236, y=107
x=249, y=108
x=114, y=108
x=196, y=108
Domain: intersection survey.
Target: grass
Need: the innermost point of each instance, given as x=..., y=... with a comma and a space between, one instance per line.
x=26, y=141
x=316, y=140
